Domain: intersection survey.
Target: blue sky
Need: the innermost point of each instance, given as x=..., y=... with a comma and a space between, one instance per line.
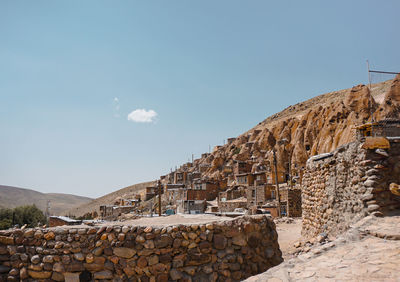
x=72, y=71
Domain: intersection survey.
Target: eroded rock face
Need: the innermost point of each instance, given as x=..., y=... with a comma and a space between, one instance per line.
x=313, y=127
x=237, y=249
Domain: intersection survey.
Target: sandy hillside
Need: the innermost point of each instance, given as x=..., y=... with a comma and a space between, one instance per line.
x=11, y=197
x=94, y=205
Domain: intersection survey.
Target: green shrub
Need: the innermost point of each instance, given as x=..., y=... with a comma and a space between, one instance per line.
x=5, y=218
x=29, y=215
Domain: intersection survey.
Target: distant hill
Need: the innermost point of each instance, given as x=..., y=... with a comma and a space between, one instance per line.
x=11, y=197
x=108, y=199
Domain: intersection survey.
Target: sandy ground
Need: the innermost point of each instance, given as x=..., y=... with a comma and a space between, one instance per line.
x=288, y=234
x=369, y=251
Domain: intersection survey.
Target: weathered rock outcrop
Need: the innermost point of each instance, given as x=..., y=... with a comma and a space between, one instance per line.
x=316, y=126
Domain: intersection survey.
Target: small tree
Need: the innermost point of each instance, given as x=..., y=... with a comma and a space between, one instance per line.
x=6, y=218
x=29, y=215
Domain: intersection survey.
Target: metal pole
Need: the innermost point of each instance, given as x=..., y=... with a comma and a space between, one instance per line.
x=159, y=198
x=370, y=100
x=277, y=185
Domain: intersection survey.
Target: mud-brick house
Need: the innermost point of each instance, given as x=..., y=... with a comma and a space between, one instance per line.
x=152, y=191
x=194, y=201
x=180, y=177
x=191, y=176
x=232, y=198
x=245, y=179
x=290, y=201
x=259, y=195
x=260, y=178
x=389, y=127
x=231, y=140
x=209, y=188
x=62, y=220
x=227, y=170
x=194, y=198
x=106, y=210
x=194, y=207
x=240, y=167
x=232, y=193
x=222, y=184
x=174, y=192
x=231, y=205
x=282, y=177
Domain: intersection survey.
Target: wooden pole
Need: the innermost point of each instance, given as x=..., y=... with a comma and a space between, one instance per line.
x=277, y=185
x=291, y=183
x=159, y=197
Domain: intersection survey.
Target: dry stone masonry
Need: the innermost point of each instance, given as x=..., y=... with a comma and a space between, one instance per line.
x=226, y=250
x=348, y=184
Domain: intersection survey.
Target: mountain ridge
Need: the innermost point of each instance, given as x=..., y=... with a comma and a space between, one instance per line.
x=11, y=197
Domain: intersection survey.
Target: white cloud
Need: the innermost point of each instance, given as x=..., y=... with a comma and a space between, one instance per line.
x=116, y=99
x=142, y=115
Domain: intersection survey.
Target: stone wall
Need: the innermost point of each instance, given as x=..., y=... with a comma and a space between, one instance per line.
x=348, y=185
x=231, y=205
x=228, y=250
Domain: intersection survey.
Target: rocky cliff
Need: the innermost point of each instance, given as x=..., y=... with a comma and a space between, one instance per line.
x=316, y=126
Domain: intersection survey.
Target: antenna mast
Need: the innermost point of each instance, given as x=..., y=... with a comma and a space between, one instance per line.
x=370, y=100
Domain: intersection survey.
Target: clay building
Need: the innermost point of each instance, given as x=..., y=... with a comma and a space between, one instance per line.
x=241, y=167
x=384, y=128
x=260, y=178
x=106, y=211
x=246, y=179
x=232, y=193
x=209, y=188
x=290, y=201
x=191, y=176
x=180, y=177
x=194, y=198
x=152, y=191
x=232, y=198
x=62, y=220
x=231, y=205
x=258, y=195
x=174, y=192
x=282, y=177
x=227, y=170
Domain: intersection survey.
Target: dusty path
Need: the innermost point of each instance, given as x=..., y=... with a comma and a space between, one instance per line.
x=288, y=234
x=358, y=255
